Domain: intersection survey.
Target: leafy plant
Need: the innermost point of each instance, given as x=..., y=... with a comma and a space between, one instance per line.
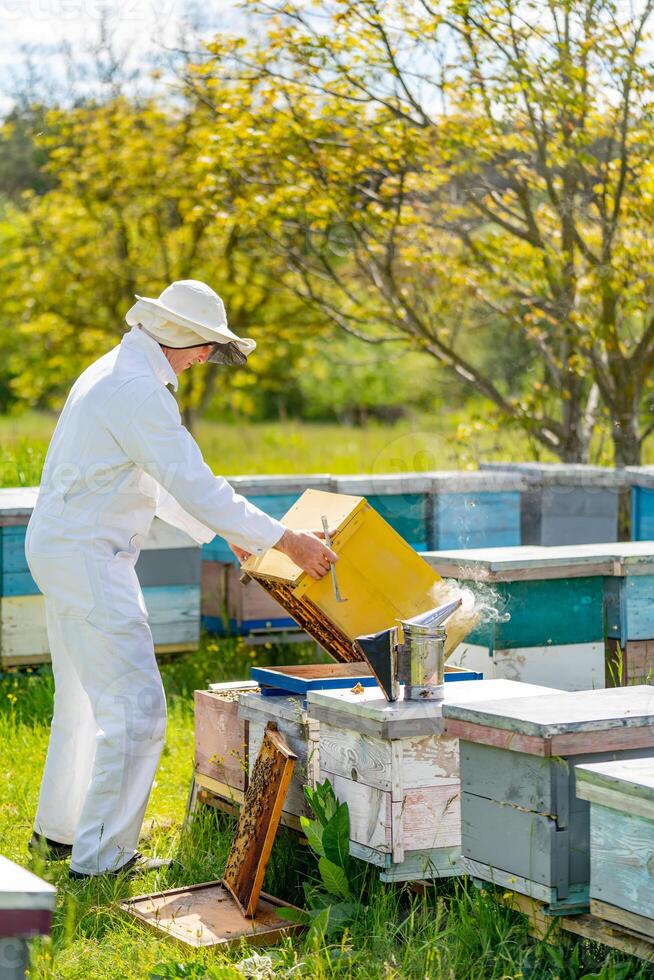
x=335, y=901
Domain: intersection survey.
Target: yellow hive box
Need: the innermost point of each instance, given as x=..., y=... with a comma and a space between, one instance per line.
x=380, y=575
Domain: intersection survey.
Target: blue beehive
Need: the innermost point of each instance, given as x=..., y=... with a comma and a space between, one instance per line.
x=168, y=570
x=567, y=503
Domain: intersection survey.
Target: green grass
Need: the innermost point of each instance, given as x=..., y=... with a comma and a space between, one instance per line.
x=451, y=932
x=426, y=443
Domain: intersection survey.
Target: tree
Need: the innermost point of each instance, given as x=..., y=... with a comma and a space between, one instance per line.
x=125, y=214
x=469, y=172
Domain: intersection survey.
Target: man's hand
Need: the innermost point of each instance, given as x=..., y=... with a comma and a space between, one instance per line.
x=308, y=551
x=239, y=552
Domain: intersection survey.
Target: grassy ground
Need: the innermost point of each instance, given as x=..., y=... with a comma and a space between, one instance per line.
x=452, y=932
x=450, y=442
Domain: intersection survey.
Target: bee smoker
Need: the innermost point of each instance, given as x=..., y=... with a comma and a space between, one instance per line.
x=410, y=654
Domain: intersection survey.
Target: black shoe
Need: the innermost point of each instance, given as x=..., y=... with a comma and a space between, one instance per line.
x=137, y=865
x=51, y=850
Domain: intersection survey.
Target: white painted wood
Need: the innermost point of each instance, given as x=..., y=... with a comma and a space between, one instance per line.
x=564, y=474
x=563, y=712
x=431, y=817
x=406, y=719
x=295, y=802
x=23, y=632
x=627, y=785
x=429, y=760
x=20, y=889
x=17, y=501
x=370, y=811
x=174, y=619
x=525, y=562
x=569, y=666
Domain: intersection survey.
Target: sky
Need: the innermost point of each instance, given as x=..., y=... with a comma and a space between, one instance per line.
x=33, y=33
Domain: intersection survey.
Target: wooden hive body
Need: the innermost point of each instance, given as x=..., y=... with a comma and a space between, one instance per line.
x=379, y=574
x=399, y=774
x=523, y=826
x=567, y=503
x=221, y=740
x=621, y=798
x=630, y=615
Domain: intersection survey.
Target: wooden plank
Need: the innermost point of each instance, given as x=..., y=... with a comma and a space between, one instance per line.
x=259, y=818
x=174, y=613
x=214, y=594
x=21, y=889
x=622, y=861
x=229, y=793
x=425, y=760
x=546, y=614
x=425, y=865
x=614, y=740
x=572, y=667
x=431, y=817
x=639, y=593
x=543, y=926
x=470, y=732
x=528, y=563
x=562, y=474
x=629, y=920
x=632, y=781
x=509, y=880
x=564, y=713
x=514, y=840
x=476, y=520
x=221, y=737
x=525, y=781
x=370, y=811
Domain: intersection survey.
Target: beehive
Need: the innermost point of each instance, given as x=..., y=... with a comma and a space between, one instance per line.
x=641, y=482
x=168, y=570
x=398, y=772
x=379, y=574
x=567, y=503
x=523, y=826
x=621, y=798
x=551, y=623
x=630, y=614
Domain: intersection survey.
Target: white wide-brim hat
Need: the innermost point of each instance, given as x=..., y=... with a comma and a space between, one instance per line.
x=186, y=314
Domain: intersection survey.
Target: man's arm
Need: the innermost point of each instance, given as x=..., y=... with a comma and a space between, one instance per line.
x=150, y=431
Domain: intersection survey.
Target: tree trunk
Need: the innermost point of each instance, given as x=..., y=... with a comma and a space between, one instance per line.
x=626, y=440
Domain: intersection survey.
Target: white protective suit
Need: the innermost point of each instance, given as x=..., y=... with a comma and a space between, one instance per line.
x=119, y=455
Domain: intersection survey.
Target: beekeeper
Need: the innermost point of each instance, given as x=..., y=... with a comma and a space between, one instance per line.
x=118, y=456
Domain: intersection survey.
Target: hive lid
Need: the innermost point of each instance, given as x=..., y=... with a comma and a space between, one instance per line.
x=565, y=713
x=564, y=474
x=17, y=501
x=528, y=562
x=627, y=785
x=20, y=889
x=368, y=711
x=306, y=515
